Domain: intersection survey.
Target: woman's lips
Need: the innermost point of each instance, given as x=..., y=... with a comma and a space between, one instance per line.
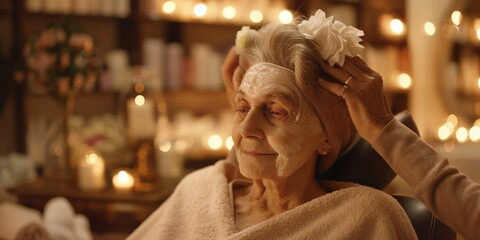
x=257, y=153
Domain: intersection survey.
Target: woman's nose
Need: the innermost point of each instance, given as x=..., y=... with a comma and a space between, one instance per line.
x=251, y=125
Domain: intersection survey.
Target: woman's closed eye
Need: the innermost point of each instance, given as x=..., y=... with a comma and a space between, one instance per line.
x=242, y=108
x=278, y=113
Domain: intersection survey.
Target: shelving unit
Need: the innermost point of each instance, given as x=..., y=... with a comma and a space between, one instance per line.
x=111, y=32
x=128, y=33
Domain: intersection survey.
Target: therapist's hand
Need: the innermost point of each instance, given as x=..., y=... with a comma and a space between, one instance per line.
x=230, y=75
x=364, y=96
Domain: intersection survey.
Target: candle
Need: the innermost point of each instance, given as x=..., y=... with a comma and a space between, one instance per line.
x=170, y=158
x=123, y=180
x=141, y=119
x=91, y=173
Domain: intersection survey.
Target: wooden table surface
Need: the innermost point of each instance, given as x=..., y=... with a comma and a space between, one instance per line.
x=108, y=210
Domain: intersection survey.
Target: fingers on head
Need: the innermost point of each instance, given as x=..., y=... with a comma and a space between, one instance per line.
x=237, y=77
x=353, y=70
x=337, y=73
x=334, y=88
x=230, y=63
x=362, y=66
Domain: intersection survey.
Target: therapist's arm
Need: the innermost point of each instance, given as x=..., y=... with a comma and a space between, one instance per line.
x=450, y=195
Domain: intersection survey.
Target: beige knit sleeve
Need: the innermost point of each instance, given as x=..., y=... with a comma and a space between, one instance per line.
x=448, y=193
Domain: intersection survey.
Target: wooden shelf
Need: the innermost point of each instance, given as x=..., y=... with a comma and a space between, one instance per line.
x=87, y=104
x=75, y=16
x=97, y=103
x=199, y=102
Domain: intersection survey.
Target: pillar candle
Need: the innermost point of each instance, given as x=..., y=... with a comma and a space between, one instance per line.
x=91, y=173
x=141, y=118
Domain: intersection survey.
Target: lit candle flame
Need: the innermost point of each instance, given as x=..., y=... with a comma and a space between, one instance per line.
x=139, y=100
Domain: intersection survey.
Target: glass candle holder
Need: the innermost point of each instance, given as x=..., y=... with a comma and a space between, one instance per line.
x=123, y=179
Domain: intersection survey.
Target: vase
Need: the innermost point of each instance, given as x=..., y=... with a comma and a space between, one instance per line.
x=61, y=164
x=67, y=110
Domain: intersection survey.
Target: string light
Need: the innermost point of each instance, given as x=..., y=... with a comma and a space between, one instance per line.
x=165, y=147
x=397, y=26
x=169, y=7
x=285, y=16
x=215, y=142
x=462, y=135
x=404, y=80
x=256, y=16
x=456, y=17
x=452, y=119
x=229, y=12
x=229, y=143
x=200, y=10
x=474, y=134
x=477, y=122
x=429, y=28
x=443, y=133
x=222, y=11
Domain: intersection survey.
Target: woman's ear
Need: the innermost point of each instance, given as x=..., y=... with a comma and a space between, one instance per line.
x=324, y=147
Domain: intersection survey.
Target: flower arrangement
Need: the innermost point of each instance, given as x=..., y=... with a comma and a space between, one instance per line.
x=334, y=38
x=61, y=61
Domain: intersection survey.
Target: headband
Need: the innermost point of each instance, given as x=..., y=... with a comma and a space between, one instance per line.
x=263, y=66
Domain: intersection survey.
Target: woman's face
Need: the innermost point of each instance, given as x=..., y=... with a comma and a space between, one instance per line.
x=275, y=130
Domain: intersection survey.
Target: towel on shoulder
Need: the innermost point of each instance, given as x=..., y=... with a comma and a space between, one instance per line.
x=202, y=207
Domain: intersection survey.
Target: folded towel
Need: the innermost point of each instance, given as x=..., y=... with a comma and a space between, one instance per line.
x=20, y=223
x=62, y=223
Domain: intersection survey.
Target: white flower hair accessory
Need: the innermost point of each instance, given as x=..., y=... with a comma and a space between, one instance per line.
x=242, y=38
x=335, y=39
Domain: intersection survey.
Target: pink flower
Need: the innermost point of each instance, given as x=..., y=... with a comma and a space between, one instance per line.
x=81, y=41
x=41, y=61
x=59, y=35
x=46, y=40
x=64, y=60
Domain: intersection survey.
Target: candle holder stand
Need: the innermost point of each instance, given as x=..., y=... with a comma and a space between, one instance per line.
x=147, y=179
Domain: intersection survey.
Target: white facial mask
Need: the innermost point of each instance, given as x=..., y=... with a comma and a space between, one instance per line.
x=294, y=140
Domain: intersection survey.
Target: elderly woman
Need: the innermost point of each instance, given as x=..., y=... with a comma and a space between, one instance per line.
x=286, y=129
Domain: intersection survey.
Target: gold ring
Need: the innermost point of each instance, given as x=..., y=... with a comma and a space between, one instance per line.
x=344, y=89
x=348, y=80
